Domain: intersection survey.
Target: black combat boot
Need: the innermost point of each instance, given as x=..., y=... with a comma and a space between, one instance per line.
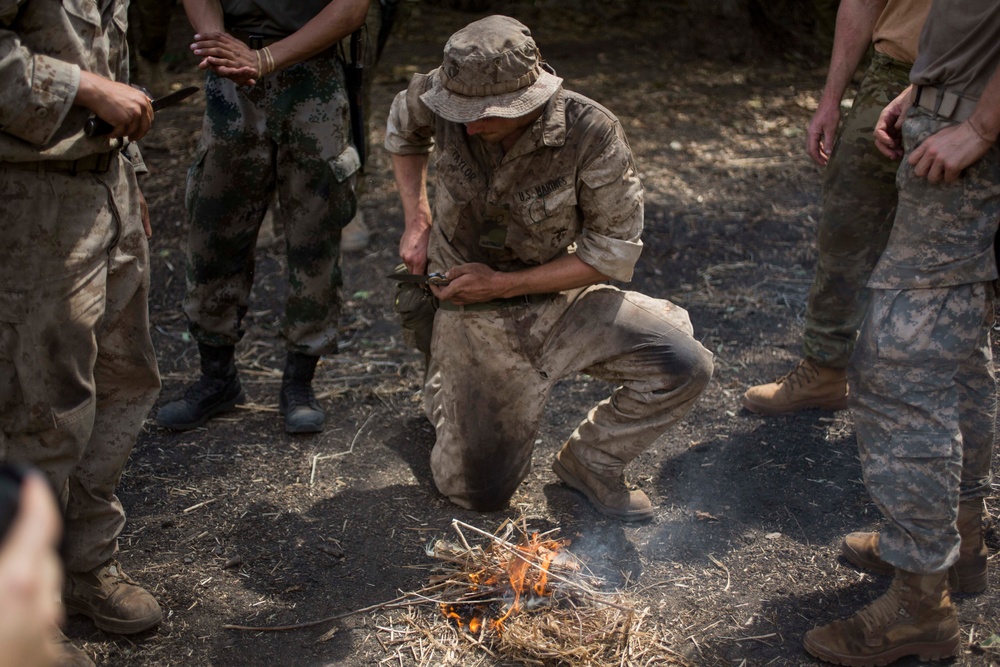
x=298, y=402
x=217, y=390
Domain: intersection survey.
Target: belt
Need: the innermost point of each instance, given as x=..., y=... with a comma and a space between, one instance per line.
x=496, y=304
x=96, y=163
x=252, y=39
x=944, y=103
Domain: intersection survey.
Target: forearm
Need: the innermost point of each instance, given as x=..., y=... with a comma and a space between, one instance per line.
x=567, y=272
x=855, y=25
x=985, y=120
x=337, y=20
x=205, y=16
x=410, y=172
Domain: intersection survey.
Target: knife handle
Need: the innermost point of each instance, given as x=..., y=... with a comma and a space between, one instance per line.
x=97, y=127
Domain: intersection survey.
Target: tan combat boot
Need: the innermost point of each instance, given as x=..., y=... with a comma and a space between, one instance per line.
x=111, y=600
x=609, y=495
x=967, y=575
x=807, y=386
x=355, y=235
x=914, y=617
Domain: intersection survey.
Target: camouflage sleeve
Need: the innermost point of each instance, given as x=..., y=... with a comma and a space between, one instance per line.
x=611, y=200
x=134, y=155
x=36, y=91
x=410, y=127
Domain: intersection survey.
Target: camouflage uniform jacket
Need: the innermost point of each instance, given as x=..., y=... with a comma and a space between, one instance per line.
x=43, y=47
x=569, y=184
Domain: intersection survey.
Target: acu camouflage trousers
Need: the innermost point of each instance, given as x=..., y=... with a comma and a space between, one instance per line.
x=492, y=371
x=291, y=134
x=859, y=202
x=78, y=372
x=923, y=392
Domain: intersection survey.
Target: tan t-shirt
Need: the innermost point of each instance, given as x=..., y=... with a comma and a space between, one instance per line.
x=897, y=30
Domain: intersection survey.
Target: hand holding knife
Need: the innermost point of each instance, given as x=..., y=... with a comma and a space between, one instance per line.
x=96, y=127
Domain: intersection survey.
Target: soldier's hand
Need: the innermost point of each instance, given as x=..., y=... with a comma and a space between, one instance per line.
x=888, y=129
x=128, y=110
x=943, y=155
x=228, y=57
x=413, y=247
x=822, y=132
x=470, y=283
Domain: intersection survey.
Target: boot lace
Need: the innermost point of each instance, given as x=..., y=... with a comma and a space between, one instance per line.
x=883, y=612
x=299, y=394
x=204, y=388
x=804, y=373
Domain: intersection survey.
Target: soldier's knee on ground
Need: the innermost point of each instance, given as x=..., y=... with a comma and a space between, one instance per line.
x=489, y=499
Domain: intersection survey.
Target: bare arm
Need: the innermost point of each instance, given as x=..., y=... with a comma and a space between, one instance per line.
x=855, y=24
x=411, y=182
x=475, y=283
x=231, y=58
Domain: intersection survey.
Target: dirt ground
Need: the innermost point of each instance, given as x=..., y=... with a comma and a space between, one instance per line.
x=239, y=523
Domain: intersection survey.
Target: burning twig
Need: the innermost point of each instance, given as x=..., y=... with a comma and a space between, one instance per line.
x=523, y=597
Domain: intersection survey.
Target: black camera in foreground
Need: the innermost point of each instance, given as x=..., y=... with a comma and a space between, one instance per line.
x=11, y=478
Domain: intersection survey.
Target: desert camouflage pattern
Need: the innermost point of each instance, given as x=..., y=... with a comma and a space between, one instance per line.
x=44, y=47
x=923, y=392
x=492, y=371
x=289, y=134
x=859, y=203
x=568, y=185
x=77, y=367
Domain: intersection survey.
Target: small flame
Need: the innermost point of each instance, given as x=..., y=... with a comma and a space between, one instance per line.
x=525, y=579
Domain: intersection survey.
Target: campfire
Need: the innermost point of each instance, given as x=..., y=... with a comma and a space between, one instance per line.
x=523, y=596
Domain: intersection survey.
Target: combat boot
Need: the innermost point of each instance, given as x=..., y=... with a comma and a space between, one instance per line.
x=806, y=386
x=70, y=655
x=914, y=617
x=111, y=600
x=217, y=390
x=609, y=495
x=355, y=235
x=967, y=575
x=298, y=402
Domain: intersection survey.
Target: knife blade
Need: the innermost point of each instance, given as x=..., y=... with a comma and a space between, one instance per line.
x=96, y=127
x=438, y=279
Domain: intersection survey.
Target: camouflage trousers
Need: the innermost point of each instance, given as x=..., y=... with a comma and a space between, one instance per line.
x=492, y=371
x=78, y=371
x=859, y=201
x=289, y=134
x=923, y=392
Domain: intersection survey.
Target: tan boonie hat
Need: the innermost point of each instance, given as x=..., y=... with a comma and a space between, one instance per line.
x=491, y=69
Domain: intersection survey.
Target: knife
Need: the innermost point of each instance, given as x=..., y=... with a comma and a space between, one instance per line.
x=438, y=279
x=96, y=127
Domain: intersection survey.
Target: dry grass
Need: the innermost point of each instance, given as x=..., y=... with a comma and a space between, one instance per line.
x=519, y=596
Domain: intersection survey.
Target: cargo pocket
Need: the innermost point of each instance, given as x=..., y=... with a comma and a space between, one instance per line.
x=346, y=164
x=912, y=467
x=24, y=407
